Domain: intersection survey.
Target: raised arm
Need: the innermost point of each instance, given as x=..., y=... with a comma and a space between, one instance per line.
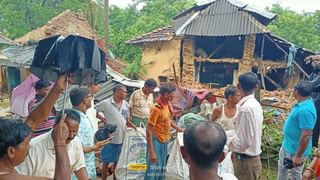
x=42, y=111
x=59, y=135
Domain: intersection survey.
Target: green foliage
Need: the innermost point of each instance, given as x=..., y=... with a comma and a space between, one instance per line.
x=271, y=141
x=301, y=29
x=130, y=22
x=17, y=17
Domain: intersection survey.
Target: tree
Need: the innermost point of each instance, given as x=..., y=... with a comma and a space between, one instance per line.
x=301, y=29
x=130, y=22
x=17, y=17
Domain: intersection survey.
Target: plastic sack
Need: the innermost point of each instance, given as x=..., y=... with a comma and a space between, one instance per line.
x=188, y=119
x=132, y=161
x=226, y=166
x=176, y=168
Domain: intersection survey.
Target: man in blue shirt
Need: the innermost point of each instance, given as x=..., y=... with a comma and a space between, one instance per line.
x=81, y=98
x=297, y=131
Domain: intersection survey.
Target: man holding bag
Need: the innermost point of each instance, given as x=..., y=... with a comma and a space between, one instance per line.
x=158, y=133
x=116, y=111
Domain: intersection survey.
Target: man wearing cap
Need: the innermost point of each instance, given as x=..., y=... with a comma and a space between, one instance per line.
x=42, y=89
x=141, y=102
x=81, y=101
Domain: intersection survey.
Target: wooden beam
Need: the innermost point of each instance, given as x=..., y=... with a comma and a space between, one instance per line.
x=175, y=74
x=277, y=45
x=273, y=82
x=275, y=106
x=301, y=69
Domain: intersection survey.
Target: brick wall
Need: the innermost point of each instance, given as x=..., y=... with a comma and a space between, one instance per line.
x=187, y=78
x=247, y=62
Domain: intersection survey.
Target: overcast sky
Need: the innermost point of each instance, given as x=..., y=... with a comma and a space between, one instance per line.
x=295, y=5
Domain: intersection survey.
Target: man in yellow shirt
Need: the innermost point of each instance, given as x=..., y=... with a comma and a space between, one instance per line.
x=158, y=133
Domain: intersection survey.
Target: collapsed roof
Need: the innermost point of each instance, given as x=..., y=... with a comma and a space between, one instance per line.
x=222, y=18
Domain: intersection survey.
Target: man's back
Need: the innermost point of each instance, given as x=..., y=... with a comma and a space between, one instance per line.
x=250, y=119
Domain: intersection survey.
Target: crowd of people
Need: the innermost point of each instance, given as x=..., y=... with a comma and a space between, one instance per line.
x=51, y=145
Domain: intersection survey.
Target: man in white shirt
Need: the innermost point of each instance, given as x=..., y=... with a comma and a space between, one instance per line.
x=41, y=158
x=246, y=144
x=92, y=112
x=202, y=148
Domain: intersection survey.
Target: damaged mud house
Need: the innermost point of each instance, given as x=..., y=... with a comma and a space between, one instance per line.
x=209, y=45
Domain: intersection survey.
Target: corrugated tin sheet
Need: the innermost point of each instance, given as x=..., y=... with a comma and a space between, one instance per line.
x=222, y=18
x=161, y=34
x=122, y=79
x=106, y=87
x=19, y=55
x=177, y=23
x=23, y=56
x=104, y=93
x=263, y=16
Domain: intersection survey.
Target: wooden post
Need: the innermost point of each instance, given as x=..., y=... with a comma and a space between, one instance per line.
x=106, y=24
x=257, y=93
x=260, y=65
x=294, y=62
x=175, y=74
x=273, y=82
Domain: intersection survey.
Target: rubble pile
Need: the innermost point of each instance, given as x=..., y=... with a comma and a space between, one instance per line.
x=285, y=98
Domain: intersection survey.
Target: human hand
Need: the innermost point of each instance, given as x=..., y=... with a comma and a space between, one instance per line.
x=181, y=129
x=153, y=157
x=100, y=144
x=60, y=132
x=297, y=161
x=61, y=82
x=131, y=125
x=307, y=174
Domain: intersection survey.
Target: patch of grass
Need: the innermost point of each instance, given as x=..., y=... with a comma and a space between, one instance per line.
x=269, y=173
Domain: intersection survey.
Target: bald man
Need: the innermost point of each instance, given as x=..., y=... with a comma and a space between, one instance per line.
x=203, y=149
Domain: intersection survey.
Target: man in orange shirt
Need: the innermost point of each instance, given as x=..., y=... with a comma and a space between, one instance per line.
x=158, y=133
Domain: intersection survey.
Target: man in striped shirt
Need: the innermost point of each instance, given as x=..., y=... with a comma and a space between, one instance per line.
x=141, y=102
x=42, y=89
